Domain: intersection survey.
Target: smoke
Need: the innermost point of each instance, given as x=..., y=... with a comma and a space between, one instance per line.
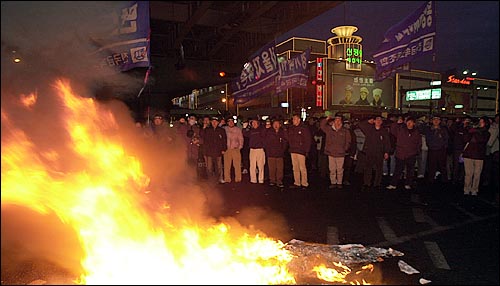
x=56, y=39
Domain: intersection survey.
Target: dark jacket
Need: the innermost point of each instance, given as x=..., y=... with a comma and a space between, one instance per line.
x=299, y=139
x=255, y=137
x=458, y=133
x=353, y=146
x=377, y=141
x=214, y=141
x=477, y=138
x=275, y=143
x=337, y=142
x=436, y=138
x=408, y=141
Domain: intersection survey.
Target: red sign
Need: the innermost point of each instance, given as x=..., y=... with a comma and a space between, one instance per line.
x=466, y=81
x=319, y=78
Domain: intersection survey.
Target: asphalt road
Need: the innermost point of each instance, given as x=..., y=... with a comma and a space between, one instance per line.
x=450, y=239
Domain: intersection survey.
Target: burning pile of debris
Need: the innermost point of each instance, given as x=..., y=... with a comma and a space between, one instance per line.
x=308, y=256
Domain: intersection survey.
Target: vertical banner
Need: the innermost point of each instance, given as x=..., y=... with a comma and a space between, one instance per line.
x=128, y=45
x=258, y=75
x=411, y=38
x=319, y=78
x=294, y=72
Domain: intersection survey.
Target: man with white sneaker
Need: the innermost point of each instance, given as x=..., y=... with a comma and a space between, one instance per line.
x=408, y=145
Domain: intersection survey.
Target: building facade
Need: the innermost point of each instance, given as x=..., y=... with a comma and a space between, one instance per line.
x=341, y=81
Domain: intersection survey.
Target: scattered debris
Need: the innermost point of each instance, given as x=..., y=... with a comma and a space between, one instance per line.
x=424, y=281
x=406, y=268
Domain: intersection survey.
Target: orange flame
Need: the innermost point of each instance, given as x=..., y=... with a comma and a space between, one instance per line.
x=100, y=201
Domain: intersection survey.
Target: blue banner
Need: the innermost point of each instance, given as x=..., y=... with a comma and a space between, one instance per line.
x=258, y=75
x=411, y=38
x=294, y=72
x=128, y=45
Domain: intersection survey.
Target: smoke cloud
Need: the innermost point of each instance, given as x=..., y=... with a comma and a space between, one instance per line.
x=56, y=40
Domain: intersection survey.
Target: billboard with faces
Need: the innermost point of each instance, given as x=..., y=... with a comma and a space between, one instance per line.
x=361, y=90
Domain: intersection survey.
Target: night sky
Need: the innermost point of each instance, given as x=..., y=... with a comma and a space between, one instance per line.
x=466, y=35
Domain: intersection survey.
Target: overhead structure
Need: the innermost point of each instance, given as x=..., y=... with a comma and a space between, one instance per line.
x=192, y=41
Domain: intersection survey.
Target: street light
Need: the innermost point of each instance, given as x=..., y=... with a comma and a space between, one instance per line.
x=466, y=72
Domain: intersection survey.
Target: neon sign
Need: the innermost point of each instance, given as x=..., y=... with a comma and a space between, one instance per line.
x=466, y=81
x=353, y=56
x=424, y=94
x=319, y=77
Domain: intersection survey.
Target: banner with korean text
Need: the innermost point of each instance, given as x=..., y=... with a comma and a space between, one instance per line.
x=293, y=72
x=258, y=75
x=411, y=38
x=127, y=46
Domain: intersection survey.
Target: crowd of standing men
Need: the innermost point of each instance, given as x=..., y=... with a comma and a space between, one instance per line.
x=403, y=147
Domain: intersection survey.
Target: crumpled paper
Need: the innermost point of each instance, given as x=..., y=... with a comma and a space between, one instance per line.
x=406, y=268
x=424, y=281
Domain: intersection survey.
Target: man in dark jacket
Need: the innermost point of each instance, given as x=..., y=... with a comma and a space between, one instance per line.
x=275, y=144
x=299, y=140
x=349, y=156
x=458, y=131
x=474, y=155
x=376, y=149
x=215, y=142
x=436, y=137
x=408, y=145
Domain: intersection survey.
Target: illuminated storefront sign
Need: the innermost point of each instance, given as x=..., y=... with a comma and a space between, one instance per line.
x=466, y=81
x=353, y=56
x=423, y=94
x=319, y=77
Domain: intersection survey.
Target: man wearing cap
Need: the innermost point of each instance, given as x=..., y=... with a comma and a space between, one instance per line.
x=161, y=131
x=347, y=96
x=215, y=144
x=377, y=97
x=436, y=137
x=458, y=131
x=257, y=156
x=408, y=145
x=363, y=94
x=232, y=156
x=376, y=149
x=299, y=142
x=337, y=142
x=275, y=144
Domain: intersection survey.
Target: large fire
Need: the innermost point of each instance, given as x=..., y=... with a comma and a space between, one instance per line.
x=101, y=198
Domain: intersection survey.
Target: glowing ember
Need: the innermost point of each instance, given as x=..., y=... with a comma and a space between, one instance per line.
x=101, y=195
x=100, y=201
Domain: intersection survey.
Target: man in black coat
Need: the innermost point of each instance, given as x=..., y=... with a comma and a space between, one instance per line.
x=376, y=149
x=215, y=142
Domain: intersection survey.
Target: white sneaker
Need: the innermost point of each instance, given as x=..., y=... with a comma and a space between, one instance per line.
x=391, y=187
x=245, y=171
x=420, y=176
x=407, y=187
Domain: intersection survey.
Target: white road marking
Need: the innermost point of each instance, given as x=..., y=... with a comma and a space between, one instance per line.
x=431, y=222
x=418, y=214
x=433, y=230
x=387, y=230
x=332, y=235
x=473, y=216
x=415, y=198
x=436, y=255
